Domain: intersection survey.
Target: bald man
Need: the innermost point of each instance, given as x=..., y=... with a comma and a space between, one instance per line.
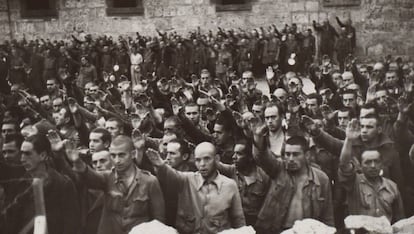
x=132, y=196
x=208, y=202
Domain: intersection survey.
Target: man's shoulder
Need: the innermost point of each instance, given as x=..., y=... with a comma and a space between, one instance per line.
x=321, y=176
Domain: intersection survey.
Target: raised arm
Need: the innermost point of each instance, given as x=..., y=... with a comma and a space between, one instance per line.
x=346, y=170
x=165, y=173
x=262, y=154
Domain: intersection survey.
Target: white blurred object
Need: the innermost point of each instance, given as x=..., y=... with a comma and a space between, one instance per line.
x=378, y=225
x=310, y=226
x=116, y=68
x=154, y=226
x=242, y=230
x=404, y=226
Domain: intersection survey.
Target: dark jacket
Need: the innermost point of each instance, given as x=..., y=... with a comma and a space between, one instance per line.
x=317, y=195
x=62, y=207
x=391, y=159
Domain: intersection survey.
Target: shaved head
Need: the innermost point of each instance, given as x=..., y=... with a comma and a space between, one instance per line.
x=122, y=140
x=205, y=147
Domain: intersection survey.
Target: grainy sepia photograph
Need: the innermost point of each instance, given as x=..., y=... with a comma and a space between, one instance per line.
x=207, y=117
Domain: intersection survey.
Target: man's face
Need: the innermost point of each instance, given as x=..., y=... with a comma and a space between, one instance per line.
x=45, y=102
x=60, y=117
x=347, y=80
x=204, y=79
x=240, y=159
x=381, y=97
x=170, y=127
x=337, y=80
x=96, y=143
x=371, y=164
x=364, y=72
x=312, y=105
x=113, y=128
x=343, y=119
x=205, y=162
x=164, y=143
x=57, y=104
x=51, y=86
x=101, y=161
x=369, y=129
x=8, y=129
x=174, y=156
x=391, y=78
x=121, y=156
x=30, y=158
x=258, y=110
x=245, y=77
x=193, y=114
x=295, y=157
x=220, y=134
x=273, y=119
x=11, y=153
x=349, y=100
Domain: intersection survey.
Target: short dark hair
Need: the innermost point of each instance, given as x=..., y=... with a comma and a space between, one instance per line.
x=315, y=96
x=248, y=146
x=350, y=111
x=184, y=149
x=118, y=122
x=16, y=138
x=280, y=110
x=106, y=135
x=298, y=140
x=40, y=143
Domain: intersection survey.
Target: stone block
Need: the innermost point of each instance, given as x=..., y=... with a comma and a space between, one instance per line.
x=300, y=17
x=297, y=6
x=312, y=6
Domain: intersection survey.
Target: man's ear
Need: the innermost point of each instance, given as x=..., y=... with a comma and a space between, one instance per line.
x=186, y=156
x=107, y=144
x=379, y=129
x=43, y=156
x=217, y=158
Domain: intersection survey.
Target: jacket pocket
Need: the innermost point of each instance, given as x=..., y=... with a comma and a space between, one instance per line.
x=185, y=222
x=139, y=206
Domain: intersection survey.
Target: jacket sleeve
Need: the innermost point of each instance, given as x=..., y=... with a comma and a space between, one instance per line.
x=94, y=179
x=327, y=216
x=267, y=162
x=330, y=143
x=236, y=211
x=168, y=175
x=156, y=200
x=71, y=209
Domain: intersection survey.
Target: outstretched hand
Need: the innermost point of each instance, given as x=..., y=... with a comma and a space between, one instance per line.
x=71, y=151
x=154, y=157
x=56, y=142
x=309, y=124
x=239, y=119
x=403, y=105
x=353, y=130
x=138, y=139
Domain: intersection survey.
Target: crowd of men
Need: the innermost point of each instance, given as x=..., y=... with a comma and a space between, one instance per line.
x=174, y=128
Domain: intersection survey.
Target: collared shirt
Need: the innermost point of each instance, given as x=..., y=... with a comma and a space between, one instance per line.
x=364, y=198
x=140, y=202
x=204, y=206
x=253, y=189
x=136, y=59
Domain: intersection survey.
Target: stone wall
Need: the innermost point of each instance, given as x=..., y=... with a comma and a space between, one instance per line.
x=383, y=26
